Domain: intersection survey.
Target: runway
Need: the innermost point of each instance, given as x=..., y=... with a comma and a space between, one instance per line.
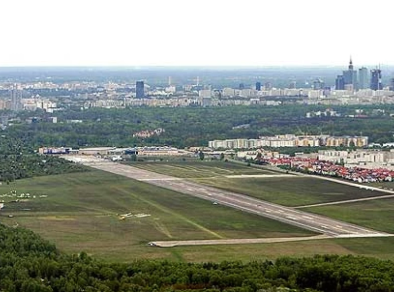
x=316, y=223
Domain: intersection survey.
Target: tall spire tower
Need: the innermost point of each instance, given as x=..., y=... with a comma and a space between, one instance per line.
x=350, y=77
x=350, y=63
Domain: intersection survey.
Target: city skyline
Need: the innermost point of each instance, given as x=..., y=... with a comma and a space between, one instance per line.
x=194, y=33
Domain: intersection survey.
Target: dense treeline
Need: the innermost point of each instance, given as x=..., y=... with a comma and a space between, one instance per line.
x=191, y=126
x=28, y=263
x=18, y=161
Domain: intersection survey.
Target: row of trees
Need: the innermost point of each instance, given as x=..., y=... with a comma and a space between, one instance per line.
x=28, y=263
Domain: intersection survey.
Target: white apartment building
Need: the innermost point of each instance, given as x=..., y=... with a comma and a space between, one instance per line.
x=365, y=158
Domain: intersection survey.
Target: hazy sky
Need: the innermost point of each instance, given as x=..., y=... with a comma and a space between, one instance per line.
x=196, y=32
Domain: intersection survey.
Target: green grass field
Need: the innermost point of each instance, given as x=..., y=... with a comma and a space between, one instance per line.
x=289, y=191
x=373, y=247
x=200, y=169
x=376, y=214
x=81, y=212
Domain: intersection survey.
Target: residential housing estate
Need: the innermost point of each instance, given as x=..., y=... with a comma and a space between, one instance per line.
x=290, y=140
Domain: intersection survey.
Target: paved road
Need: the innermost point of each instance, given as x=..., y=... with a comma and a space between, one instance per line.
x=317, y=223
x=233, y=241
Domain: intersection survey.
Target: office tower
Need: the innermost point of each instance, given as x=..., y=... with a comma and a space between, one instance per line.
x=293, y=85
x=392, y=84
x=376, y=79
x=363, y=78
x=350, y=75
x=258, y=86
x=139, y=89
x=340, y=83
x=16, y=98
x=268, y=86
x=318, y=84
x=241, y=86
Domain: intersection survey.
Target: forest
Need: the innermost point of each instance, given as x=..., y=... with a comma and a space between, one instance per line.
x=29, y=263
x=18, y=160
x=195, y=126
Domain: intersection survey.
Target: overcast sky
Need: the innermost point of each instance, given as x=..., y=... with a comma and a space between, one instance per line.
x=196, y=32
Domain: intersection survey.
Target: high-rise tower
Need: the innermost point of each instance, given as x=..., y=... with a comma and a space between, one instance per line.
x=363, y=78
x=376, y=79
x=139, y=89
x=258, y=86
x=340, y=83
x=350, y=75
x=16, y=98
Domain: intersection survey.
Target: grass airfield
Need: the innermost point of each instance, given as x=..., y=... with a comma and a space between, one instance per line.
x=86, y=212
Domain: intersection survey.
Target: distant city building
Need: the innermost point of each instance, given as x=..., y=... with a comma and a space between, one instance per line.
x=268, y=86
x=292, y=85
x=392, y=84
x=318, y=84
x=376, y=79
x=363, y=78
x=350, y=75
x=16, y=98
x=139, y=89
x=258, y=86
x=340, y=83
x=241, y=86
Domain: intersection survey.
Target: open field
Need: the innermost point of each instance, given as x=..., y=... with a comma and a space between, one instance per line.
x=80, y=212
x=200, y=169
x=290, y=191
x=373, y=247
x=238, y=201
x=376, y=214
x=287, y=190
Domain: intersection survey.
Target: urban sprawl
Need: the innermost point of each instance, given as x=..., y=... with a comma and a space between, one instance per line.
x=362, y=86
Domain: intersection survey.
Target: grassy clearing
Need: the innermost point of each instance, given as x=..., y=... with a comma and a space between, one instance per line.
x=373, y=247
x=81, y=212
x=290, y=191
x=200, y=169
x=376, y=214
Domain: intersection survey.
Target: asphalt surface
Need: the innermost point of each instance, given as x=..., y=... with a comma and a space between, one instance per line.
x=174, y=243
x=316, y=223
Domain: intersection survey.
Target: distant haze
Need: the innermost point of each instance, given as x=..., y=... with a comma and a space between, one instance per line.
x=195, y=33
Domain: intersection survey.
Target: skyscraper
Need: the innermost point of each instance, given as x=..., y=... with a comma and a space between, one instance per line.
x=392, y=84
x=340, y=83
x=376, y=79
x=350, y=75
x=258, y=86
x=318, y=84
x=363, y=78
x=16, y=99
x=139, y=89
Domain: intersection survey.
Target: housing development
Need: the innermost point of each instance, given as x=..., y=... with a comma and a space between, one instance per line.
x=290, y=140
